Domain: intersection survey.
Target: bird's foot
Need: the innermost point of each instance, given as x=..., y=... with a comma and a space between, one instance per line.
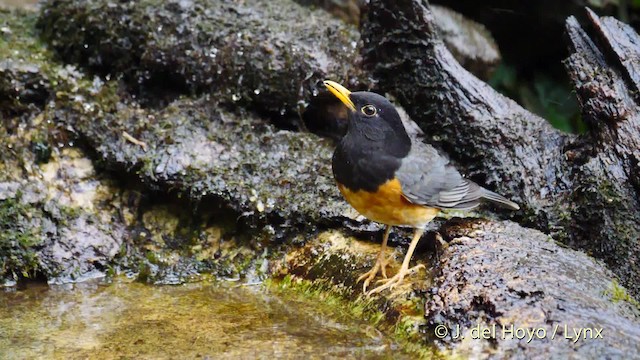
x=394, y=281
x=380, y=266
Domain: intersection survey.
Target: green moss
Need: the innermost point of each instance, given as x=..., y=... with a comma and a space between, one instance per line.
x=177, y=246
x=405, y=329
x=144, y=273
x=19, y=41
x=31, y=74
x=68, y=213
x=152, y=258
x=17, y=240
x=332, y=297
x=619, y=293
x=25, y=72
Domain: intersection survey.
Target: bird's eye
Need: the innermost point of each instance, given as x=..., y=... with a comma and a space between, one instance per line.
x=369, y=110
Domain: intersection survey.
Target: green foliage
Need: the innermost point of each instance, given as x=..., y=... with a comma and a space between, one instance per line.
x=550, y=98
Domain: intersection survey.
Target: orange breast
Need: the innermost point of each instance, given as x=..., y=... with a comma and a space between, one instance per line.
x=388, y=206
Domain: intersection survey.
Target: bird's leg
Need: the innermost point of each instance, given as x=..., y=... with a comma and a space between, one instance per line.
x=440, y=244
x=404, y=269
x=380, y=265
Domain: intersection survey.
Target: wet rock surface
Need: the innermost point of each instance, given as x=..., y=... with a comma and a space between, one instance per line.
x=20, y=85
x=265, y=55
x=504, y=275
x=24, y=83
x=341, y=259
x=62, y=220
x=53, y=225
x=49, y=226
x=469, y=42
x=492, y=275
x=97, y=182
x=232, y=168
x=242, y=163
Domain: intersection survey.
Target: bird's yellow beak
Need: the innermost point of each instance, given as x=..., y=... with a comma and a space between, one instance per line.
x=341, y=93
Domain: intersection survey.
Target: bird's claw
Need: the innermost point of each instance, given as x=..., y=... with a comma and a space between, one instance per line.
x=379, y=266
x=387, y=284
x=367, y=277
x=394, y=281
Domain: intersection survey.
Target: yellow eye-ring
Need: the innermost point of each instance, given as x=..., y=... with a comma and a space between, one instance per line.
x=369, y=110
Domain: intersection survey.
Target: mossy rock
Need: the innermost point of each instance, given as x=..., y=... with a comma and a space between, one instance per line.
x=213, y=157
x=268, y=56
x=19, y=236
x=24, y=78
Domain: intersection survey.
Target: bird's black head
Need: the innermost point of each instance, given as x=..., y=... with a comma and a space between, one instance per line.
x=373, y=119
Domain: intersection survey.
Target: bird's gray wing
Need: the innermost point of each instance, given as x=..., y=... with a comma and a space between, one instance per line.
x=427, y=178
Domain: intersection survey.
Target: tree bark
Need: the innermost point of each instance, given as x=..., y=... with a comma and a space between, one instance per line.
x=583, y=190
x=498, y=275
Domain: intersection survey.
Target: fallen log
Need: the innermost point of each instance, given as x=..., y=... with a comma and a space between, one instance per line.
x=503, y=289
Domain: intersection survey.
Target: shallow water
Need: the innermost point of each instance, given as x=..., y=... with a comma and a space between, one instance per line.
x=132, y=320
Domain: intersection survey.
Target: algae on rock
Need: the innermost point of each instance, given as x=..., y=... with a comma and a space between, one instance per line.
x=200, y=150
x=265, y=55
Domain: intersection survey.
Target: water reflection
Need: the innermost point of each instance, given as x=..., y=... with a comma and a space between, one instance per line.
x=133, y=320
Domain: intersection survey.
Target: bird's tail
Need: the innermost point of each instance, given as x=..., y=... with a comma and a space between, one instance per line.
x=499, y=200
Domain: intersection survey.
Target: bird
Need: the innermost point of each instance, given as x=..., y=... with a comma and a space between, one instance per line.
x=394, y=179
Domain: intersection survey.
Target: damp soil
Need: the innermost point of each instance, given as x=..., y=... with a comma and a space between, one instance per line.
x=200, y=320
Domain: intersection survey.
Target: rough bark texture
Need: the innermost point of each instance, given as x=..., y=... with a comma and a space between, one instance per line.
x=469, y=42
x=499, y=274
x=581, y=189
